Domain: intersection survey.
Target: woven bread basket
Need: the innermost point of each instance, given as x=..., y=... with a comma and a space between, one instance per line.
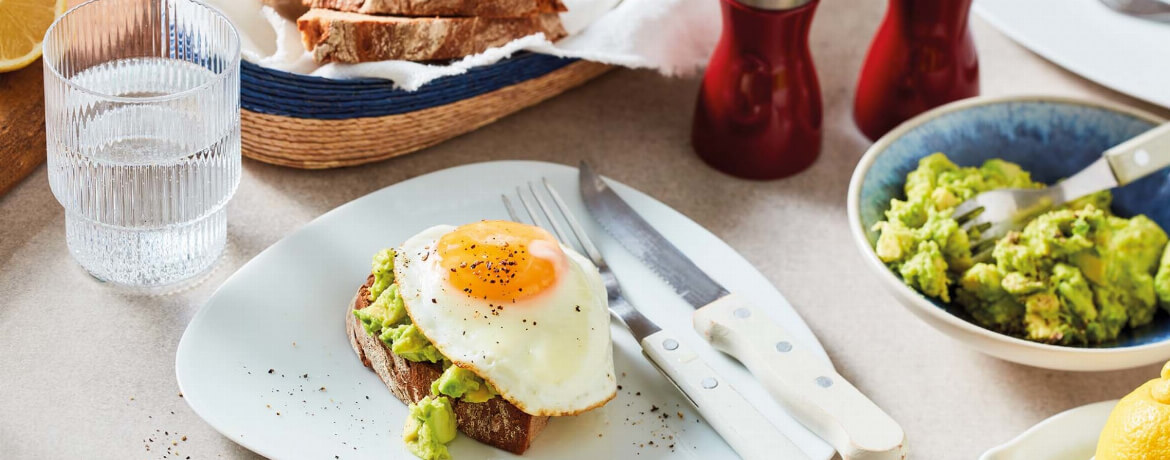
x=315, y=123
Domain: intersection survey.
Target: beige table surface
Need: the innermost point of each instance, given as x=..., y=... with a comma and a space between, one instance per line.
x=86, y=372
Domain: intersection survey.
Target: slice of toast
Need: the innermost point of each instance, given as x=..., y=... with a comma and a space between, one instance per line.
x=336, y=36
x=481, y=8
x=495, y=422
x=288, y=9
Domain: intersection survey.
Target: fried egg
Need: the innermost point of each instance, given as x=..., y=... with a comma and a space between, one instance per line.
x=507, y=302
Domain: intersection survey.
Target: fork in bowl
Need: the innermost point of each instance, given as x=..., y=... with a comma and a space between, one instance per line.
x=990, y=215
x=736, y=419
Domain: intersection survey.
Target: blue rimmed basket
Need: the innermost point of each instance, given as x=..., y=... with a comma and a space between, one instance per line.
x=315, y=123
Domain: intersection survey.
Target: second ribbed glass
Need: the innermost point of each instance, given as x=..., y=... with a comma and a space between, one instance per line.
x=142, y=122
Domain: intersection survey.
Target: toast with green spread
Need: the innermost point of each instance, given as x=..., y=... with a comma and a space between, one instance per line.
x=495, y=421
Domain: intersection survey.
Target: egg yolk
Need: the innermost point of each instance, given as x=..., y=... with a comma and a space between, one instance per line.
x=500, y=261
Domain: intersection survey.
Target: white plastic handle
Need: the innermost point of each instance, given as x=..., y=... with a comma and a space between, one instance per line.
x=1141, y=156
x=811, y=390
x=735, y=419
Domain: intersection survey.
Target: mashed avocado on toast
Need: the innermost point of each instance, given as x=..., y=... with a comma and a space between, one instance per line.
x=458, y=382
x=431, y=423
x=1076, y=275
x=429, y=427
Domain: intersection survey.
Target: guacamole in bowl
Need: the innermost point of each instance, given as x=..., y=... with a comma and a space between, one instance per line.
x=1076, y=275
x=1019, y=141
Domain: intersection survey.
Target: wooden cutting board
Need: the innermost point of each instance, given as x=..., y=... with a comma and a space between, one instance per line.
x=22, y=124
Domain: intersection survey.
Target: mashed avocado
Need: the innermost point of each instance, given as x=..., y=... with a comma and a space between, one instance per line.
x=408, y=342
x=1162, y=281
x=385, y=313
x=386, y=318
x=1075, y=275
x=429, y=427
x=457, y=382
x=431, y=423
x=919, y=239
x=383, y=271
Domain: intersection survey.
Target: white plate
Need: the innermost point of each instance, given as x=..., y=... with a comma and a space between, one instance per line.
x=1125, y=53
x=284, y=311
x=1069, y=435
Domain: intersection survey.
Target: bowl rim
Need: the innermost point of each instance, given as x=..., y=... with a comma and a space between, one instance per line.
x=917, y=299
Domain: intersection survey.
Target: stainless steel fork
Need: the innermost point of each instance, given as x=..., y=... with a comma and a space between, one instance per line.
x=992, y=214
x=738, y=421
x=1154, y=10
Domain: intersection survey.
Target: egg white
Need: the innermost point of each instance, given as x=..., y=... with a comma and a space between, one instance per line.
x=548, y=355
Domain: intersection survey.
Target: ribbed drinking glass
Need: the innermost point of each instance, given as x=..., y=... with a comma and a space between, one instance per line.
x=142, y=120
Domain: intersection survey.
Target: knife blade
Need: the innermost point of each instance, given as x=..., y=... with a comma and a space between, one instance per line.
x=649, y=246
x=812, y=391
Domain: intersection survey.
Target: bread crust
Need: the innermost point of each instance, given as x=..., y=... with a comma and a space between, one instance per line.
x=496, y=422
x=481, y=8
x=335, y=36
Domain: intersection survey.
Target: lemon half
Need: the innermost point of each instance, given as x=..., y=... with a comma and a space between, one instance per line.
x=22, y=28
x=1139, y=426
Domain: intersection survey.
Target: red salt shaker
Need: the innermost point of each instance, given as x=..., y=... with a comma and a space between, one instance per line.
x=922, y=57
x=759, y=110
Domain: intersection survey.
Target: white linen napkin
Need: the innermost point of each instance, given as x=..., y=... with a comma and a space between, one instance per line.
x=674, y=37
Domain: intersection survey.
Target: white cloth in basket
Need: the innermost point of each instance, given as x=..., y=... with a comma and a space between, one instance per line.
x=674, y=37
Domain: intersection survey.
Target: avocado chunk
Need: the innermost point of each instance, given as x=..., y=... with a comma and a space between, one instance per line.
x=982, y=294
x=458, y=382
x=386, y=312
x=927, y=271
x=383, y=271
x=1162, y=281
x=429, y=426
x=409, y=343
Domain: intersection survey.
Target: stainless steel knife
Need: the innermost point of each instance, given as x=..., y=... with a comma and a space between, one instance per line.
x=809, y=389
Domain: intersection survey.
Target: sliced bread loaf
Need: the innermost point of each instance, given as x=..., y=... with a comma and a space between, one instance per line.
x=336, y=36
x=482, y=8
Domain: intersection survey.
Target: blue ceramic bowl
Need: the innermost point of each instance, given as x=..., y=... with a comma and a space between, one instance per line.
x=1052, y=138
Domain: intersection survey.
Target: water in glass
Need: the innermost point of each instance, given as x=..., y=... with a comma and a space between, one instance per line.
x=144, y=147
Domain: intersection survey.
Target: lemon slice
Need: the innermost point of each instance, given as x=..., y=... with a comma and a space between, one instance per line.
x=22, y=28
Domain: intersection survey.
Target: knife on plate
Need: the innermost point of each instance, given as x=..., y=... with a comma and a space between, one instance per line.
x=811, y=390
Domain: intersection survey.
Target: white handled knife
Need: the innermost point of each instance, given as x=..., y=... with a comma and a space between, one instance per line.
x=813, y=392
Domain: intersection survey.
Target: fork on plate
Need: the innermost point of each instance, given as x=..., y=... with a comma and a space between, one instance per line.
x=992, y=214
x=736, y=419
x=1154, y=10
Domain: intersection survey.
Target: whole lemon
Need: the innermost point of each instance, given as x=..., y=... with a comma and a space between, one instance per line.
x=1139, y=426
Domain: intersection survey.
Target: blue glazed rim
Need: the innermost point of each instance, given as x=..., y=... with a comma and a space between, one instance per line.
x=276, y=92
x=924, y=305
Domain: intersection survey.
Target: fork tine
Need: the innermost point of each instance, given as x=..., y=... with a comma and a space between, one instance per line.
x=980, y=227
x=556, y=226
x=968, y=216
x=983, y=246
x=527, y=206
x=511, y=211
x=574, y=225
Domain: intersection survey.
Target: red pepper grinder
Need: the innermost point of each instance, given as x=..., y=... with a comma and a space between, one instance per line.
x=922, y=57
x=759, y=110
